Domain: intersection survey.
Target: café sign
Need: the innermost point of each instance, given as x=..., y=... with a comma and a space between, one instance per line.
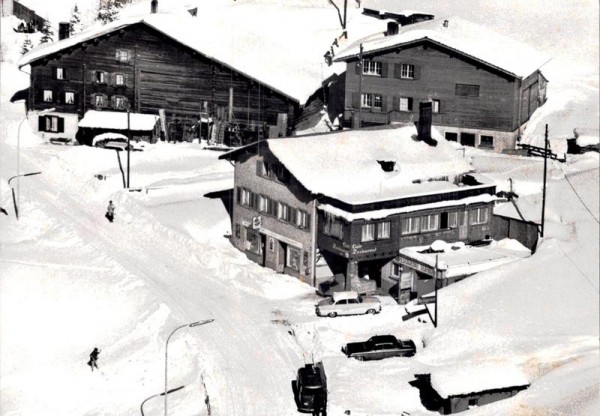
x=413, y=264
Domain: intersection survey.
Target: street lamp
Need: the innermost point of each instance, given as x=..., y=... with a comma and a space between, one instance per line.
x=13, y=190
x=157, y=395
x=193, y=324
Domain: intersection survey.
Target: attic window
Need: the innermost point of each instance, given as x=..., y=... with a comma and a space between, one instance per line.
x=122, y=55
x=387, y=165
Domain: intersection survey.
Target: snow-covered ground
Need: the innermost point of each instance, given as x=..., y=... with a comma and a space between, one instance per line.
x=70, y=281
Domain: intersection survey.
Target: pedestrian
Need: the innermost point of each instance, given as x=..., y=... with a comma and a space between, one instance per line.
x=93, y=362
x=110, y=211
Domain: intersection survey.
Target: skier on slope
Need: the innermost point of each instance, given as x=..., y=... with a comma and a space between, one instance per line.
x=110, y=211
x=93, y=362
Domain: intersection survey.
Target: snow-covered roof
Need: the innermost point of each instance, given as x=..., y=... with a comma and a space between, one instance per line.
x=348, y=160
x=461, y=379
x=118, y=120
x=276, y=45
x=467, y=38
x=462, y=260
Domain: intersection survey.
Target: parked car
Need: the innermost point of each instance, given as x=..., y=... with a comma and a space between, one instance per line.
x=348, y=303
x=311, y=388
x=379, y=347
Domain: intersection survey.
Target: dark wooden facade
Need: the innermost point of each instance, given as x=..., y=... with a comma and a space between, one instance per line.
x=156, y=72
x=499, y=102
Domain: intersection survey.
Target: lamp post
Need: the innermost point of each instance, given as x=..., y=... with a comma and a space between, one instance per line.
x=157, y=395
x=13, y=190
x=193, y=324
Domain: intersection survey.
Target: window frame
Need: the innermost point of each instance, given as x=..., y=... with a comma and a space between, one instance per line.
x=51, y=124
x=408, y=101
x=413, y=225
x=123, y=100
x=122, y=83
x=436, y=106
x=369, y=100
x=48, y=96
x=100, y=74
x=479, y=216
x=333, y=227
x=99, y=100
x=72, y=94
x=486, y=145
x=59, y=73
x=367, y=233
x=407, y=71
x=372, y=68
x=384, y=226
x=430, y=222
x=122, y=55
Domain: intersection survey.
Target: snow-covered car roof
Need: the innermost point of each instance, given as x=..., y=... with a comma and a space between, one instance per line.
x=350, y=294
x=462, y=36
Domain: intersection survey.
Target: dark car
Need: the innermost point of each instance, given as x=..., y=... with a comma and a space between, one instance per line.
x=379, y=347
x=311, y=388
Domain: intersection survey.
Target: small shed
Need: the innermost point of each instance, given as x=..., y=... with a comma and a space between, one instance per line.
x=144, y=127
x=463, y=387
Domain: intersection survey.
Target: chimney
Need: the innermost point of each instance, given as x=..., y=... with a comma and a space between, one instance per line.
x=392, y=28
x=153, y=6
x=424, y=123
x=445, y=23
x=64, y=30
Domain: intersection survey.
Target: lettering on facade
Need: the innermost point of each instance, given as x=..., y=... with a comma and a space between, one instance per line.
x=357, y=249
x=340, y=249
x=415, y=265
x=256, y=222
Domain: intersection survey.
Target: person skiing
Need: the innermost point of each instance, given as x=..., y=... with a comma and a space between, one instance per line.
x=93, y=362
x=110, y=211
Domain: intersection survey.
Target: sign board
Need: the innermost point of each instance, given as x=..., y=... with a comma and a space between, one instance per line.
x=256, y=222
x=413, y=264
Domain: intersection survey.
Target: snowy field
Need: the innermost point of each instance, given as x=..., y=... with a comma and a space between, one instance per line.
x=70, y=281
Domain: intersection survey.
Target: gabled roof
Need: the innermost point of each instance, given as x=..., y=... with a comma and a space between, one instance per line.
x=345, y=165
x=461, y=36
x=276, y=45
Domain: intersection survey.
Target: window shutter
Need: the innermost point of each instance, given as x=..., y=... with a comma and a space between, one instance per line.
x=61, y=125
x=308, y=221
x=42, y=123
x=113, y=100
x=396, y=103
x=105, y=100
x=238, y=196
x=92, y=76
x=54, y=72
x=384, y=103
x=75, y=98
x=357, y=68
x=417, y=72
x=398, y=71
x=65, y=74
x=384, y=69
x=410, y=104
x=355, y=100
x=92, y=99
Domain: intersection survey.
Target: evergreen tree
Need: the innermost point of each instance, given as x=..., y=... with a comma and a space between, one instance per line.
x=108, y=10
x=47, y=33
x=27, y=45
x=76, y=25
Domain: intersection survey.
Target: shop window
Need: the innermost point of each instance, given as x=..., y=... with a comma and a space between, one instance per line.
x=430, y=222
x=410, y=225
x=451, y=137
x=293, y=258
x=368, y=232
x=487, y=141
x=479, y=216
x=383, y=230
x=253, y=241
x=48, y=96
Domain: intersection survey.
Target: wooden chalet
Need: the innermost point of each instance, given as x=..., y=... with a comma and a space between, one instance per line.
x=32, y=22
x=353, y=198
x=483, y=87
x=154, y=65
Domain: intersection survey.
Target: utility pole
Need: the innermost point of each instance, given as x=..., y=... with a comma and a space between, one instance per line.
x=435, y=283
x=544, y=189
x=128, y=144
x=360, y=72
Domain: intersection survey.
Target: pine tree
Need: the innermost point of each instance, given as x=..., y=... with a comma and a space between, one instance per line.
x=27, y=45
x=76, y=25
x=47, y=33
x=107, y=11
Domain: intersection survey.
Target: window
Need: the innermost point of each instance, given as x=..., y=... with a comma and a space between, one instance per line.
x=302, y=219
x=253, y=241
x=263, y=203
x=383, y=230
x=273, y=171
x=487, y=141
x=368, y=232
x=244, y=197
x=283, y=212
x=59, y=73
x=293, y=258
x=452, y=219
x=479, y=216
x=47, y=96
x=119, y=79
x=435, y=106
x=406, y=104
x=396, y=269
x=430, y=222
x=452, y=137
x=99, y=100
x=407, y=71
x=69, y=97
x=119, y=102
x=372, y=68
x=99, y=76
x=51, y=124
x=333, y=227
x=410, y=225
x=466, y=90
x=370, y=101
x=122, y=55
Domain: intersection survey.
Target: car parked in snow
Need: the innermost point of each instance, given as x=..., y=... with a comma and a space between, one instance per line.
x=379, y=347
x=348, y=303
x=310, y=391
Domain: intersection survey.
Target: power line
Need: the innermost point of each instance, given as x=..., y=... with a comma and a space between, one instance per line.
x=579, y=197
x=577, y=267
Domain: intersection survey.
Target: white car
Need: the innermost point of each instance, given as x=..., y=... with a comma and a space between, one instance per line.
x=348, y=303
